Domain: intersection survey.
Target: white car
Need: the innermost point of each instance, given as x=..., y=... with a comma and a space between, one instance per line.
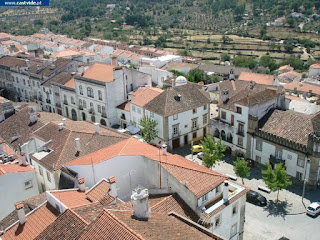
x=314, y=209
x=200, y=155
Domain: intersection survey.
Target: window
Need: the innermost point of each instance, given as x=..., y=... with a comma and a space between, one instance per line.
x=258, y=145
x=48, y=176
x=133, y=108
x=232, y=120
x=234, y=210
x=131, y=87
x=175, y=116
x=40, y=171
x=38, y=84
x=233, y=230
x=289, y=157
x=139, y=110
x=239, y=110
x=28, y=184
x=99, y=109
x=72, y=100
x=218, y=221
x=205, y=107
x=241, y=129
x=80, y=90
x=33, y=83
x=84, y=104
x=194, y=123
x=91, y=105
x=90, y=92
x=223, y=115
x=175, y=130
x=194, y=110
x=300, y=161
x=194, y=135
x=103, y=109
x=80, y=102
x=205, y=197
x=278, y=153
x=299, y=176
x=43, y=89
x=205, y=119
x=100, y=95
x=24, y=82
x=50, y=91
x=152, y=114
x=240, y=141
x=65, y=98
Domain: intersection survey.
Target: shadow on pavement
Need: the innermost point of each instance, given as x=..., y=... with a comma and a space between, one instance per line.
x=280, y=209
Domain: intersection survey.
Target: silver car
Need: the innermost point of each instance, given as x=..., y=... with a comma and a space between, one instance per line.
x=314, y=209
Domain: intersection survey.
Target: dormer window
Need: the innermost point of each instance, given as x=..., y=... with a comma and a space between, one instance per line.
x=239, y=110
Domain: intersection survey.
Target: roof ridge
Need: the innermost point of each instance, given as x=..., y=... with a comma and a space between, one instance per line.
x=122, y=223
x=164, y=199
x=61, y=153
x=77, y=215
x=122, y=149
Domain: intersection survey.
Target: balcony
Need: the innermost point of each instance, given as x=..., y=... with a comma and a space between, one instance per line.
x=104, y=115
x=241, y=133
x=48, y=101
x=177, y=134
x=91, y=111
x=221, y=125
x=40, y=98
x=65, y=102
x=58, y=105
x=123, y=117
x=275, y=160
x=80, y=107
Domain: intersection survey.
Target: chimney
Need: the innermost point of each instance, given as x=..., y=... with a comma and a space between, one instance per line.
x=225, y=191
x=23, y=159
x=38, y=68
x=113, y=187
x=21, y=213
x=295, y=90
x=225, y=95
x=33, y=116
x=64, y=121
x=164, y=149
x=231, y=74
x=78, y=144
x=252, y=83
x=82, y=185
x=60, y=126
x=27, y=62
x=97, y=128
x=114, y=61
x=140, y=203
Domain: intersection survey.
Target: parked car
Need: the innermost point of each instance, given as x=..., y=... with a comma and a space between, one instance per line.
x=313, y=209
x=256, y=198
x=197, y=148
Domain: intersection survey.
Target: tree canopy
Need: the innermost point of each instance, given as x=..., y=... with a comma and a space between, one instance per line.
x=212, y=151
x=241, y=168
x=148, y=130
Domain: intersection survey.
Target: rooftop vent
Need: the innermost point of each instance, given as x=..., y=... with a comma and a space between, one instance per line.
x=52, y=67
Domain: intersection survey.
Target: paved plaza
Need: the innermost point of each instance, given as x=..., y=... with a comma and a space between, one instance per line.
x=285, y=220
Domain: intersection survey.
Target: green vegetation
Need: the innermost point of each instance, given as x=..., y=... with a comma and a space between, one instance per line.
x=148, y=130
x=212, y=151
x=242, y=61
x=241, y=168
x=276, y=179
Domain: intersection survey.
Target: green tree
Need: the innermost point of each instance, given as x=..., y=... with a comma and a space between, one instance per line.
x=197, y=75
x=226, y=39
x=225, y=57
x=288, y=48
x=241, y=168
x=212, y=151
x=269, y=62
x=148, y=130
x=276, y=179
x=294, y=62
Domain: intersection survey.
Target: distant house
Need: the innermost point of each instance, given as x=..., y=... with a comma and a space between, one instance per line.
x=314, y=70
x=180, y=66
x=111, y=6
x=226, y=72
x=279, y=22
x=285, y=68
x=288, y=77
x=258, y=78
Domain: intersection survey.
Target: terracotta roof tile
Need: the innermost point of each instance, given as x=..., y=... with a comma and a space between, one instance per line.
x=98, y=192
x=315, y=66
x=302, y=87
x=14, y=168
x=285, y=68
x=124, y=106
x=36, y=222
x=61, y=78
x=67, y=226
x=100, y=72
x=71, y=198
x=257, y=77
x=144, y=95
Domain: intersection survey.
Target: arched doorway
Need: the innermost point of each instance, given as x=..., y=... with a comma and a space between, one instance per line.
x=74, y=115
x=67, y=111
x=103, y=122
x=229, y=138
x=84, y=117
x=216, y=133
x=223, y=135
x=93, y=118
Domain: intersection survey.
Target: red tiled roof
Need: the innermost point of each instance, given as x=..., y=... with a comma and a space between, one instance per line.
x=98, y=191
x=71, y=198
x=302, y=87
x=257, y=77
x=36, y=222
x=315, y=66
x=124, y=106
x=100, y=72
x=14, y=168
x=144, y=95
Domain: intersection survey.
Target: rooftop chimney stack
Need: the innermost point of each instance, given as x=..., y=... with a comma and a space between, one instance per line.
x=23, y=159
x=64, y=121
x=82, y=185
x=78, y=144
x=164, y=149
x=97, y=128
x=60, y=126
x=33, y=116
x=21, y=213
x=225, y=95
x=225, y=193
x=113, y=187
x=140, y=203
x=231, y=74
